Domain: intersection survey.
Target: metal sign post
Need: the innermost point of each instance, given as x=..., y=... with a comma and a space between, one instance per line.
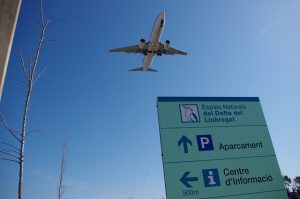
x=9, y=11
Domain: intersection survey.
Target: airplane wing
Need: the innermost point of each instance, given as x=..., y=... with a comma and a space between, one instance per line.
x=169, y=51
x=129, y=49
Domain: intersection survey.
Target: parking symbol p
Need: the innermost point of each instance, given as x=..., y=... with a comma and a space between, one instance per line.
x=205, y=143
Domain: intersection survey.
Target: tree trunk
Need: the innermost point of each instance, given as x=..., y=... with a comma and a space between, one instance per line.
x=21, y=165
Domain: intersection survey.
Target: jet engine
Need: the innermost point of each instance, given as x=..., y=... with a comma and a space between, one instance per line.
x=167, y=45
x=142, y=44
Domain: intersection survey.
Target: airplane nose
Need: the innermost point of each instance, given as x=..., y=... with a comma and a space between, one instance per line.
x=162, y=18
x=162, y=14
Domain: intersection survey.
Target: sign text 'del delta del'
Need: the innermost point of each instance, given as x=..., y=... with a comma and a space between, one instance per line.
x=217, y=148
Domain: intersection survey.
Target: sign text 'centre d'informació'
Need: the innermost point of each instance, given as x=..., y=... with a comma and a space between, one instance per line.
x=217, y=148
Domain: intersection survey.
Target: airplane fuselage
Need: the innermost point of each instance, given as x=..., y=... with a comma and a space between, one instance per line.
x=152, y=47
x=154, y=39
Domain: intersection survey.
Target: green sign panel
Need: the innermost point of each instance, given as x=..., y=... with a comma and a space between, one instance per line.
x=217, y=148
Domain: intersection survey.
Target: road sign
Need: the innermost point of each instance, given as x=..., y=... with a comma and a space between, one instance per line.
x=217, y=148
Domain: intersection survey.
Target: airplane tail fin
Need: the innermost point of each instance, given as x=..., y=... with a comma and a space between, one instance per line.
x=141, y=69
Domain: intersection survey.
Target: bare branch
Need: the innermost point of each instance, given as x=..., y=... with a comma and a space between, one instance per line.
x=61, y=185
x=11, y=131
x=54, y=22
x=32, y=131
x=38, y=50
x=42, y=14
x=46, y=25
x=20, y=81
x=23, y=66
x=7, y=159
x=48, y=41
x=39, y=75
x=6, y=144
x=10, y=150
x=30, y=65
x=9, y=154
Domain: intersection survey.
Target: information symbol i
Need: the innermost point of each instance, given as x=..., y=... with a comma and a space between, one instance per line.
x=211, y=177
x=211, y=180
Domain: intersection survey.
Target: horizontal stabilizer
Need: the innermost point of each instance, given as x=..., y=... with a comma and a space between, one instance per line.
x=141, y=69
x=151, y=70
x=137, y=69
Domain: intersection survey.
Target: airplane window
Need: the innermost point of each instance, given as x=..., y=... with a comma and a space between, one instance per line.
x=162, y=23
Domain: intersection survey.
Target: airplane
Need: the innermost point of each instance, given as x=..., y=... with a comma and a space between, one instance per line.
x=153, y=47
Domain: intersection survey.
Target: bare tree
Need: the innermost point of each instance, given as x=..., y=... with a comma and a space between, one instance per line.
x=61, y=185
x=15, y=152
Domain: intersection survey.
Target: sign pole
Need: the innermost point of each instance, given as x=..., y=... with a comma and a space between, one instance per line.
x=9, y=12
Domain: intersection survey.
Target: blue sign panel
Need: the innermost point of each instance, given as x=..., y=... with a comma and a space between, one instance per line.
x=217, y=148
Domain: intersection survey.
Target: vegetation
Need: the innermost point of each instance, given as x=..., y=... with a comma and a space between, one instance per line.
x=292, y=186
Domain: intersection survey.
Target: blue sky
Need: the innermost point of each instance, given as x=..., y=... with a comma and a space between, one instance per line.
x=235, y=48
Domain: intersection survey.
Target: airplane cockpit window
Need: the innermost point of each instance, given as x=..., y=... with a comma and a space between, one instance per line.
x=162, y=23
